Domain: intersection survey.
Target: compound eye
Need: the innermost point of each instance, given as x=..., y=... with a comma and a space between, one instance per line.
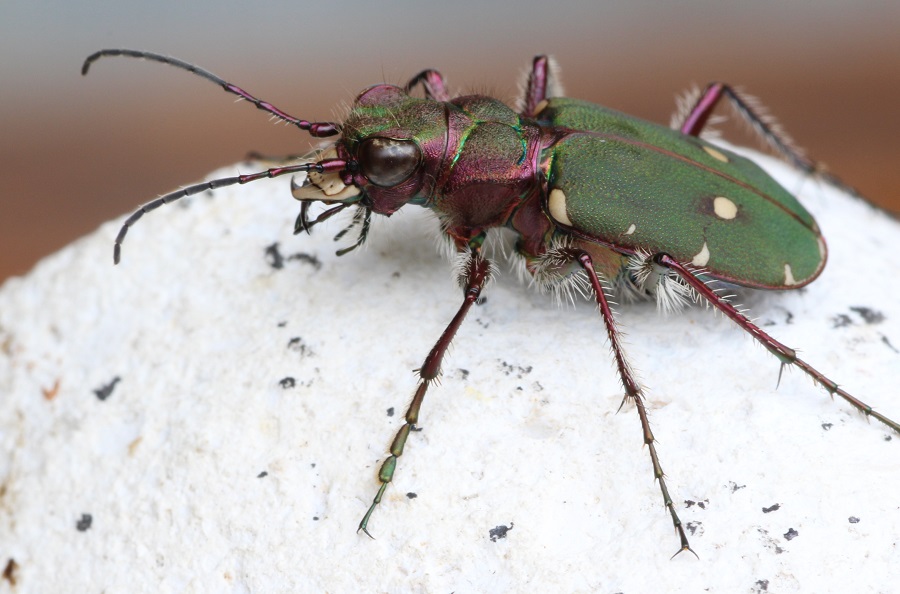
x=387, y=162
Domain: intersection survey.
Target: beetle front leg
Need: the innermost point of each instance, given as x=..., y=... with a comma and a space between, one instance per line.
x=536, y=91
x=633, y=390
x=474, y=276
x=432, y=83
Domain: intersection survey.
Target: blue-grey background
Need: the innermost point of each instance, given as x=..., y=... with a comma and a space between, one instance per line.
x=77, y=151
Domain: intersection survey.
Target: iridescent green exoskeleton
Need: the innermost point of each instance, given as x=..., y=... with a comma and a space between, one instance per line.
x=597, y=199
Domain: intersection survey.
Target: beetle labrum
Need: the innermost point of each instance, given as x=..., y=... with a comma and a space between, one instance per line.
x=598, y=201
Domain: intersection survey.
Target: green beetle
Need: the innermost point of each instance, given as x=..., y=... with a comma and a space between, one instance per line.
x=597, y=199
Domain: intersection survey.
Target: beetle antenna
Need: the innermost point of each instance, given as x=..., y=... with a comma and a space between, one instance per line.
x=316, y=129
x=320, y=167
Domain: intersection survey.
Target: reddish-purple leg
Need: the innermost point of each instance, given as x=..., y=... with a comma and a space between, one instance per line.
x=477, y=271
x=764, y=126
x=633, y=390
x=318, y=129
x=761, y=123
x=536, y=91
x=786, y=355
x=432, y=83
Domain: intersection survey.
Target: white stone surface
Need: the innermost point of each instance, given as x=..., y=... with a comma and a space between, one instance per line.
x=522, y=431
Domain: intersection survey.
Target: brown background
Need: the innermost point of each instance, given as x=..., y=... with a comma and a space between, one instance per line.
x=77, y=152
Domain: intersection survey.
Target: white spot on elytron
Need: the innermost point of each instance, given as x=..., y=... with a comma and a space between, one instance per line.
x=724, y=208
x=557, y=206
x=631, y=229
x=822, y=250
x=789, y=276
x=715, y=154
x=702, y=257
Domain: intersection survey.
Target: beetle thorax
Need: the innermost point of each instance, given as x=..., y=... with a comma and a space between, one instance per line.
x=477, y=158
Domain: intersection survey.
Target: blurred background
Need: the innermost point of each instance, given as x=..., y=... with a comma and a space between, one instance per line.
x=79, y=151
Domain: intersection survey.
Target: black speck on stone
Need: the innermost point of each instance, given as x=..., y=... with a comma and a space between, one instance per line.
x=9, y=572
x=282, y=324
x=771, y=508
x=390, y=411
x=841, y=320
x=853, y=520
x=315, y=518
x=869, y=316
x=791, y=534
x=297, y=345
x=310, y=259
x=106, y=390
x=762, y=585
x=499, y=532
x=827, y=426
x=313, y=465
x=735, y=487
x=262, y=474
x=693, y=526
x=888, y=438
x=287, y=382
x=84, y=523
x=274, y=257
x=411, y=495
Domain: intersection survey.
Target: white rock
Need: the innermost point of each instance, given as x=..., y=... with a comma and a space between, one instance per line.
x=522, y=431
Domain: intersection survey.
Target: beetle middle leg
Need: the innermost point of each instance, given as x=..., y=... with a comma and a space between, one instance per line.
x=474, y=276
x=633, y=388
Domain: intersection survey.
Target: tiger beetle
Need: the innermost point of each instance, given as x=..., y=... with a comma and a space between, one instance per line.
x=599, y=202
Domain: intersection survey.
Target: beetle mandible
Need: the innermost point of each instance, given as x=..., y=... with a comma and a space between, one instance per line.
x=598, y=201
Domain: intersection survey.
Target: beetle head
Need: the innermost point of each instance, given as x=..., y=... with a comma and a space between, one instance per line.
x=392, y=145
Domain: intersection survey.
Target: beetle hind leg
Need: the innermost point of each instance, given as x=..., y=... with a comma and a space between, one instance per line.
x=633, y=390
x=785, y=354
x=696, y=117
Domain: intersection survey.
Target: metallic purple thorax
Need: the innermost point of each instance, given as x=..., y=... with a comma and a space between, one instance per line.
x=480, y=165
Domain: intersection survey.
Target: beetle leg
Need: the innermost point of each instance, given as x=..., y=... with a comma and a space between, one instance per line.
x=475, y=275
x=633, y=389
x=786, y=355
x=432, y=83
x=536, y=91
x=749, y=109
